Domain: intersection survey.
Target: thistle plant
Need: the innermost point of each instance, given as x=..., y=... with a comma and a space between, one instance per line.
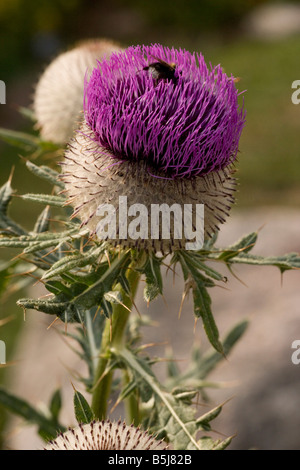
x=158, y=126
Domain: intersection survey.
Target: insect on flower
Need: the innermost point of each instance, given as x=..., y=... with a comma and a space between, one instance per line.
x=161, y=70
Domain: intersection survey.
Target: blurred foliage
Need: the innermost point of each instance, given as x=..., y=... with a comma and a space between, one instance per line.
x=269, y=164
x=194, y=15
x=34, y=30
x=26, y=26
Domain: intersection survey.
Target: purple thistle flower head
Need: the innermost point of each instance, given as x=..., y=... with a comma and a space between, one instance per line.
x=167, y=108
x=160, y=128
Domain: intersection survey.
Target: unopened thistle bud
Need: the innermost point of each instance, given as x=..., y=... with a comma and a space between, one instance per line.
x=58, y=98
x=105, y=435
x=160, y=127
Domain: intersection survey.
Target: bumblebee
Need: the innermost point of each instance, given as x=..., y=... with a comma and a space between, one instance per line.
x=161, y=70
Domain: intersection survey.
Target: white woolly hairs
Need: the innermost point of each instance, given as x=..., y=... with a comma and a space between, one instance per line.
x=58, y=98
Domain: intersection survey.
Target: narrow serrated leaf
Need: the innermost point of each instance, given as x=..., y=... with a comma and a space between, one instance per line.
x=19, y=139
x=8, y=226
x=55, y=404
x=27, y=112
x=204, y=420
x=6, y=193
x=151, y=291
x=244, y=245
x=78, y=260
x=43, y=221
x=47, y=199
x=209, y=360
x=82, y=409
x=21, y=408
x=223, y=444
x=179, y=417
x=113, y=296
x=46, y=173
x=202, y=308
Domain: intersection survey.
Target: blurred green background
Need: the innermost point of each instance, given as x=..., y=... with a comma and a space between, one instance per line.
x=32, y=33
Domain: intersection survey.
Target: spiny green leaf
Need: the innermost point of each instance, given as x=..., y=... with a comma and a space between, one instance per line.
x=26, y=141
x=284, y=263
x=43, y=221
x=170, y=422
x=83, y=412
x=152, y=271
x=176, y=418
x=20, y=139
x=55, y=404
x=8, y=226
x=184, y=395
x=27, y=112
x=222, y=445
x=13, y=242
x=204, y=420
x=95, y=292
x=151, y=291
x=202, y=364
x=39, y=241
x=127, y=390
x=202, y=308
x=4, y=273
x=40, y=246
x=210, y=242
x=47, y=199
x=124, y=283
x=25, y=410
x=57, y=287
x=106, y=308
x=206, y=443
x=6, y=193
x=46, y=173
x=244, y=245
x=202, y=302
x=195, y=260
x=113, y=296
x=84, y=298
x=77, y=260
x=51, y=307
x=209, y=360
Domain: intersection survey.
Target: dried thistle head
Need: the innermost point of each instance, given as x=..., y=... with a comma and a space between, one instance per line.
x=105, y=435
x=156, y=139
x=58, y=98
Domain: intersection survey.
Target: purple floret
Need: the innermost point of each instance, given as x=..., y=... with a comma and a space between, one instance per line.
x=181, y=127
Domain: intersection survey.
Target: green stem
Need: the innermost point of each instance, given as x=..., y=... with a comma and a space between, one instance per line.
x=113, y=336
x=131, y=404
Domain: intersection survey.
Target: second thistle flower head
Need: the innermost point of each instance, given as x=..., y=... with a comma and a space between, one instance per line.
x=160, y=127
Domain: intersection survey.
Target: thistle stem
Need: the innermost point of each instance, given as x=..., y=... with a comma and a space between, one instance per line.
x=113, y=336
x=131, y=404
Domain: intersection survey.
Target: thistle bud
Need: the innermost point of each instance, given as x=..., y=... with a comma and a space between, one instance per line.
x=58, y=98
